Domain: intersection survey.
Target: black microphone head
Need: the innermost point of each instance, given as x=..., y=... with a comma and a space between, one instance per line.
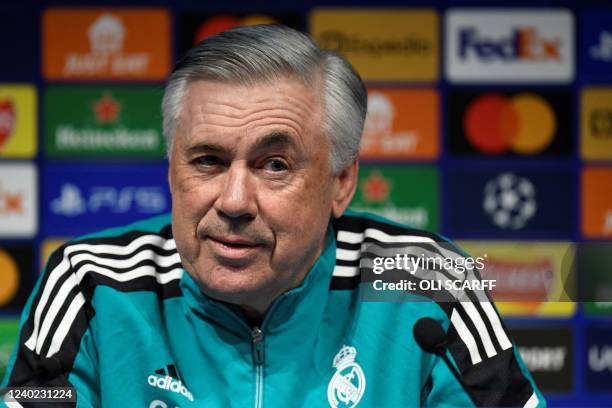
x=429, y=335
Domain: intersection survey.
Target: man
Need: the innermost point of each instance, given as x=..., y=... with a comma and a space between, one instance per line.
x=248, y=294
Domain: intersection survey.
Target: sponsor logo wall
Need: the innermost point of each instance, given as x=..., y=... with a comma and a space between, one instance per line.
x=82, y=198
x=196, y=26
x=548, y=353
x=492, y=126
x=401, y=124
x=8, y=333
x=18, y=200
x=596, y=123
x=596, y=50
x=103, y=122
x=489, y=45
x=598, y=352
x=18, y=124
x=597, y=202
x=532, y=278
x=510, y=123
x=111, y=44
x=594, y=262
x=382, y=44
x=510, y=203
x=17, y=274
x=406, y=194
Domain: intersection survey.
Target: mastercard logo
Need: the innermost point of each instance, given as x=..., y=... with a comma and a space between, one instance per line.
x=224, y=22
x=524, y=123
x=9, y=276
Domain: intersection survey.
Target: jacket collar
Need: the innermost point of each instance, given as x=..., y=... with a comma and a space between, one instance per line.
x=297, y=310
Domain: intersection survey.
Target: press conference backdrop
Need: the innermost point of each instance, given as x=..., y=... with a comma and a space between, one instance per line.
x=491, y=125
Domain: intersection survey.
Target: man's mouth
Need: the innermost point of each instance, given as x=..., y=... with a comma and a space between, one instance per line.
x=232, y=247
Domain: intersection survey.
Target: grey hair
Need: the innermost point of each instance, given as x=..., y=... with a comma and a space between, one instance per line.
x=252, y=54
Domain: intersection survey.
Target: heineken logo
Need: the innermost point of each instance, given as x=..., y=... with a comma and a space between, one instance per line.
x=376, y=188
x=107, y=109
x=407, y=194
x=108, y=122
x=7, y=120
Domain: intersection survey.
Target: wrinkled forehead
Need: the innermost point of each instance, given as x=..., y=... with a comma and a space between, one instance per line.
x=281, y=91
x=286, y=102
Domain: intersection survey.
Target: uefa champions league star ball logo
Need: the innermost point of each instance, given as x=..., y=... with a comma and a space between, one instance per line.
x=348, y=384
x=510, y=201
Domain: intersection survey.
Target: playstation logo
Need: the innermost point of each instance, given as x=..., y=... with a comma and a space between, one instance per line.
x=603, y=50
x=70, y=202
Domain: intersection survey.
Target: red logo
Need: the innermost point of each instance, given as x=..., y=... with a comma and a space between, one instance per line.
x=520, y=280
x=524, y=123
x=7, y=120
x=107, y=109
x=376, y=188
x=11, y=203
x=224, y=22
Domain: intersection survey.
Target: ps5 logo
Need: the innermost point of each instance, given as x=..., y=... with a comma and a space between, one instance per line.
x=72, y=200
x=603, y=50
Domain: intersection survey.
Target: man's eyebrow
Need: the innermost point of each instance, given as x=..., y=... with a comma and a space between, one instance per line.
x=208, y=148
x=269, y=141
x=274, y=139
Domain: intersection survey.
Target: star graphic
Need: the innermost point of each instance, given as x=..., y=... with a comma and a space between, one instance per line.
x=14, y=203
x=376, y=188
x=11, y=203
x=107, y=109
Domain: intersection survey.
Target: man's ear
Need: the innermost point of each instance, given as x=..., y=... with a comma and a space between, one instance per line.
x=171, y=159
x=169, y=176
x=345, y=184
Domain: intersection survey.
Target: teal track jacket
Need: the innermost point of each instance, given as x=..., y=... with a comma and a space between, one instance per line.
x=115, y=316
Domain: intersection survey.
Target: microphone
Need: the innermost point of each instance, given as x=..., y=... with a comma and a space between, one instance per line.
x=430, y=336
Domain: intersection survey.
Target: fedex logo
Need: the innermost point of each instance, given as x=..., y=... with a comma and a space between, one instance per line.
x=523, y=43
x=509, y=45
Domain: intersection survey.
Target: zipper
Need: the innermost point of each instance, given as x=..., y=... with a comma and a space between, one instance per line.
x=258, y=350
x=257, y=338
x=257, y=342
x=257, y=346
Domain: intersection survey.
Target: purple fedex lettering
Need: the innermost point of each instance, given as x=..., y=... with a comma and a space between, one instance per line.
x=522, y=44
x=486, y=48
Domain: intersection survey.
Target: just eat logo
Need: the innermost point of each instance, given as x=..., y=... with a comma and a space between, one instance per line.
x=523, y=43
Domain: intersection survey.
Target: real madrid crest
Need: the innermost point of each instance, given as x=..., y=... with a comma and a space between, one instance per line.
x=348, y=384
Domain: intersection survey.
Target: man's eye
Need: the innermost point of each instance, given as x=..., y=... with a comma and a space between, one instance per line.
x=275, y=165
x=207, y=161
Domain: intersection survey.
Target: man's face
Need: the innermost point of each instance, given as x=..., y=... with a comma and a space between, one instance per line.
x=252, y=189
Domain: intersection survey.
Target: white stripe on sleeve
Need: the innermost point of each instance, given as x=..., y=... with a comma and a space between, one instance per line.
x=466, y=337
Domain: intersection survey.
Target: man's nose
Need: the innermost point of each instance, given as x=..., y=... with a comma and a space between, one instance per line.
x=237, y=196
